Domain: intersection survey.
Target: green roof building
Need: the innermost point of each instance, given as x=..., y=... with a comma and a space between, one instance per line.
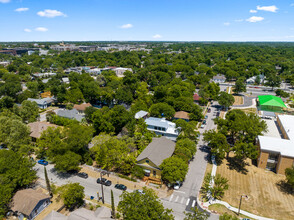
x=271, y=103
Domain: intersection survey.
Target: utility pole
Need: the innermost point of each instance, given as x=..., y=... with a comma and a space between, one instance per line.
x=241, y=203
x=102, y=188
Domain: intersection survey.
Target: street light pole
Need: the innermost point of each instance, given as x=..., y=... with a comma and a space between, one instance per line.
x=246, y=197
x=102, y=188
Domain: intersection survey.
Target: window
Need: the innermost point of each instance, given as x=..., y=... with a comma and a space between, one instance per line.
x=147, y=161
x=154, y=172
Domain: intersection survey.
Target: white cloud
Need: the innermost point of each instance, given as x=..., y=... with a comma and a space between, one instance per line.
x=239, y=20
x=41, y=29
x=48, y=13
x=27, y=30
x=292, y=5
x=157, y=36
x=227, y=23
x=126, y=26
x=289, y=36
x=4, y=1
x=253, y=11
x=254, y=19
x=21, y=9
x=271, y=8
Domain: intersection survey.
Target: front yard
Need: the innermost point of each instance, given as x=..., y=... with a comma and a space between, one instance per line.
x=264, y=189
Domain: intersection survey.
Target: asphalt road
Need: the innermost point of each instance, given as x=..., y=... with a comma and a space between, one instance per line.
x=185, y=198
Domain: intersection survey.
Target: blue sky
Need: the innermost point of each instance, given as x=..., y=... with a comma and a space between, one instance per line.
x=164, y=20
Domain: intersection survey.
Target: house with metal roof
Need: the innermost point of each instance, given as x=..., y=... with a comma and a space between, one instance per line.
x=70, y=114
x=42, y=103
x=163, y=127
x=141, y=114
x=153, y=155
x=270, y=103
x=277, y=154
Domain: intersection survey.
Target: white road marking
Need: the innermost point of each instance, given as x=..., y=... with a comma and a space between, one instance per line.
x=171, y=197
x=188, y=201
x=182, y=200
x=177, y=199
x=180, y=192
x=193, y=204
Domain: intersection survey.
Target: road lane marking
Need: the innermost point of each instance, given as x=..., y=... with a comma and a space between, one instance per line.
x=171, y=197
x=182, y=200
x=193, y=204
x=188, y=201
x=177, y=199
x=180, y=192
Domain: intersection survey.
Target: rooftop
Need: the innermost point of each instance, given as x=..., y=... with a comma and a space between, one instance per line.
x=271, y=100
x=273, y=144
x=38, y=127
x=169, y=126
x=182, y=115
x=140, y=114
x=287, y=122
x=82, y=107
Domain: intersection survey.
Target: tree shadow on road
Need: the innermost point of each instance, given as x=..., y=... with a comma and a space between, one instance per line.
x=237, y=164
x=284, y=187
x=62, y=175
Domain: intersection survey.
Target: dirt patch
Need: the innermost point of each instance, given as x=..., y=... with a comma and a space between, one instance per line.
x=239, y=100
x=248, y=110
x=221, y=209
x=263, y=189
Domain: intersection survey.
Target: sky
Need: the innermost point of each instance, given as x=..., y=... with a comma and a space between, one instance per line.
x=146, y=20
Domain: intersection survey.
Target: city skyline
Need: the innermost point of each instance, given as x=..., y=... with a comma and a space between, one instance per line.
x=130, y=20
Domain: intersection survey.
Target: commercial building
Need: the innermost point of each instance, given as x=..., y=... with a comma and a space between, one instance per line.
x=277, y=154
x=153, y=155
x=163, y=127
x=270, y=103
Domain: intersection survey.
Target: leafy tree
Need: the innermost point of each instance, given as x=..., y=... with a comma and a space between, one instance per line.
x=162, y=110
x=6, y=102
x=217, y=142
x=219, y=187
x=240, y=85
x=28, y=111
x=257, y=80
x=185, y=149
x=146, y=205
x=196, y=113
x=72, y=194
x=11, y=86
x=188, y=129
x=68, y=161
x=289, y=172
x=173, y=169
x=89, y=112
x=282, y=93
x=196, y=215
x=226, y=100
x=226, y=216
x=273, y=81
x=210, y=91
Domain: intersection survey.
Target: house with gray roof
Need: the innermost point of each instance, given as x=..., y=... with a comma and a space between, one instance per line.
x=154, y=154
x=42, y=103
x=70, y=114
x=141, y=114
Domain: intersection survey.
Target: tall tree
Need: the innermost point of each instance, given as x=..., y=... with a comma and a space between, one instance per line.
x=240, y=85
x=173, y=169
x=145, y=205
x=273, y=80
x=226, y=100
x=72, y=194
x=196, y=214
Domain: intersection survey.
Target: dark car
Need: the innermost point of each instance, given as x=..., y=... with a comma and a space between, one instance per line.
x=121, y=187
x=83, y=175
x=204, y=122
x=209, y=110
x=43, y=162
x=104, y=181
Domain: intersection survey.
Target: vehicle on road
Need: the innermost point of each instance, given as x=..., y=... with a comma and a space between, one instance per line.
x=204, y=122
x=206, y=116
x=202, y=126
x=177, y=185
x=104, y=181
x=120, y=186
x=83, y=175
x=209, y=110
x=43, y=162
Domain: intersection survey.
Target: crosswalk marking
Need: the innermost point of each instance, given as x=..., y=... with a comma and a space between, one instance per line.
x=182, y=200
x=171, y=197
x=177, y=199
x=193, y=204
x=188, y=201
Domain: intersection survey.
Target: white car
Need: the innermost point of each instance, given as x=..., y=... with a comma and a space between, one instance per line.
x=177, y=185
x=202, y=126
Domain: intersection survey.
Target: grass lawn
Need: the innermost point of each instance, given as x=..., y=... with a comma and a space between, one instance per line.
x=221, y=209
x=266, y=195
x=247, y=110
x=238, y=100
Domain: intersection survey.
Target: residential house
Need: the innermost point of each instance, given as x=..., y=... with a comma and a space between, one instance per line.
x=119, y=71
x=196, y=98
x=219, y=78
x=65, y=80
x=153, y=155
x=182, y=115
x=42, y=103
x=252, y=79
x=28, y=203
x=163, y=127
x=277, y=154
x=70, y=114
x=141, y=114
x=37, y=128
x=82, y=107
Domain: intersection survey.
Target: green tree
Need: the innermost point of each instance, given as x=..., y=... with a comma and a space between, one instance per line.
x=196, y=215
x=209, y=91
x=289, y=172
x=112, y=206
x=68, y=161
x=47, y=181
x=185, y=149
x=162, y=110
x=273, y=80
x=226, y=100
x=240, y=85
x=217, y=142
x=219, y=187
x=146, y=205
x=28, y=111
x=226, y=216
x=72, y=194
x=173, y=169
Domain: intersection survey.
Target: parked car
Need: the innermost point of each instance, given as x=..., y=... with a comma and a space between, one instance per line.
x=209, y=110
x=120, y=186
x=204, y=122
x=177, y=185
x=104, y=181
x=43, y=162
x=83, y=175
x=202, y=126
x=206, y=116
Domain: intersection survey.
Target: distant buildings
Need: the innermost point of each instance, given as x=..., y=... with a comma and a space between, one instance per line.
x=153, y=155
x=219, y=78
x=42, y=103
x=252, y=79
x=162, y=127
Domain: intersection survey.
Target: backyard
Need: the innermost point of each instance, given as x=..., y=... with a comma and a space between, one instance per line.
x=266, y=194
